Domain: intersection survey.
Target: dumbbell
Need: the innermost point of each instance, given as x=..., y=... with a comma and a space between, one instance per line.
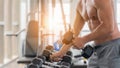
x=47, y=52
x=38, y=61
x=31, y=65
x=66, y=60
x=50, y=48
x=64, y=63
x=67, y=37
x=69, y=53
x=87, y=51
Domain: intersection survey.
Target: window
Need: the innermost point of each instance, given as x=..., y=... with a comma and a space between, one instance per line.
x=55, y=23
x=118, y=13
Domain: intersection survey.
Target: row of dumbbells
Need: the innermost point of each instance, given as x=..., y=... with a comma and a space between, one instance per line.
x=44, y=60
x=38, y=62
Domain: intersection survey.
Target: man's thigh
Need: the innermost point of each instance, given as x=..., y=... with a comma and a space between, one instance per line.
x=92, y=61
x=115, y=63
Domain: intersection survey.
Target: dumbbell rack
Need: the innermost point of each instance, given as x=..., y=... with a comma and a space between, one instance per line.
x=28, y=61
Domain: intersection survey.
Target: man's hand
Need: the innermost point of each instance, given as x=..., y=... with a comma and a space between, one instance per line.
x=56, y=56
x=78, y=43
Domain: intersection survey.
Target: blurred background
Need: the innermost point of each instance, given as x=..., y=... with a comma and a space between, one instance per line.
x=53, y=19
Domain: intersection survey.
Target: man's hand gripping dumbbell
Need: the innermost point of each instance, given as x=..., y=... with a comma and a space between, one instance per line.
x=69, y=41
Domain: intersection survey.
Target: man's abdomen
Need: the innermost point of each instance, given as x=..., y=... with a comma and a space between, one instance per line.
x=114, y=35
x=109, y=37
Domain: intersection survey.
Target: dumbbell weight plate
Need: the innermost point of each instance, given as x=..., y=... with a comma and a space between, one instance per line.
x=37, y=61
x=32, y=66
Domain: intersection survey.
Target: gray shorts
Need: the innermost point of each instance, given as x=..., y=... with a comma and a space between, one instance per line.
x=106, y=55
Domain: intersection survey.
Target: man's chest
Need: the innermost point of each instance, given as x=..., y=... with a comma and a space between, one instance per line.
x=88, y=10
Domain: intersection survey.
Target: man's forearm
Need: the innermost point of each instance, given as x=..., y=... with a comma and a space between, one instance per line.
x=65, y=48
x=78, y=24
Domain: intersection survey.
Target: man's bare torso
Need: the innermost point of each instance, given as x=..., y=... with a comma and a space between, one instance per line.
x=88, y=12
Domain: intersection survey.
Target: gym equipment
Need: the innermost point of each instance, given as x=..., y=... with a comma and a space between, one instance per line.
x=67, y=37
x=38, y=61
x=86, y=52
x=69, y=53
x=41, y=63
x=47, y=52
x=32, y=66
x=57, y=45
x=31, y=44
x=15, y=34
x=66, y=60
x=50, y=48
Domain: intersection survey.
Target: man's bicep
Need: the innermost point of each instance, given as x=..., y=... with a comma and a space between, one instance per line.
x=78, y=24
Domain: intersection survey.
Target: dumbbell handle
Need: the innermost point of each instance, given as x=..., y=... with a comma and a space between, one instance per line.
x=77, y=56
x=67, y=38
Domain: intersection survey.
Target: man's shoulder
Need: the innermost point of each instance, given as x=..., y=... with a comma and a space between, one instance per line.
x=79, y=4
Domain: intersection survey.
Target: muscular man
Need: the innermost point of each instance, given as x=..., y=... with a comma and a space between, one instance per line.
x=99, y=14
